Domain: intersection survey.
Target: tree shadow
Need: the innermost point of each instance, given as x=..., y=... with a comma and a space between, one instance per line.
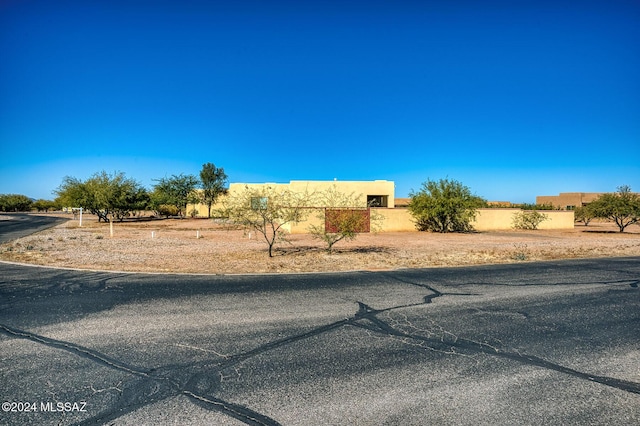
x=363, y=250
x=308, y=249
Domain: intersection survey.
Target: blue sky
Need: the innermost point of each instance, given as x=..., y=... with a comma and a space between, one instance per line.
x=512, y=98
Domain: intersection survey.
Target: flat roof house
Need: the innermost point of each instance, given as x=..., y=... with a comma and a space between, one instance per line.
x=379, y=195
x=568, y=200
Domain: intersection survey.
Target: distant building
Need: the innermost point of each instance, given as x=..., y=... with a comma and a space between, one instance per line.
x=402, y=202
x=568, y=200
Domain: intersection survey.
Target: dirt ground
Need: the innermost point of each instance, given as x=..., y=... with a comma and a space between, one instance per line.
x=173, y=245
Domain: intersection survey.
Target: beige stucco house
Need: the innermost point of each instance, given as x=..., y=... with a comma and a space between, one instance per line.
x=568, y=200
x=380, y=195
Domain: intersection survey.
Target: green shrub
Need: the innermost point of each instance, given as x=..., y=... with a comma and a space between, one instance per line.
x=444, y=206
x=528, y=219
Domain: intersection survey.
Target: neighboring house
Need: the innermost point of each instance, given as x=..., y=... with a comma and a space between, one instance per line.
x=568, y=200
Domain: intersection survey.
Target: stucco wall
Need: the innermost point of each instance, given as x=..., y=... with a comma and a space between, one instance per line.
x=558, y=220
x=400, y=220
x=502, y=219
x=494, y=219
x=396, y=220
x=314, y=217
x=359, y=189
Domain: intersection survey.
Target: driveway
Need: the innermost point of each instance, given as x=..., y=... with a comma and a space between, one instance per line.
x=530, y=343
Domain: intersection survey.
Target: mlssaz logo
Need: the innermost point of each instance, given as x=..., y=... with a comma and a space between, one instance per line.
x=79, y=407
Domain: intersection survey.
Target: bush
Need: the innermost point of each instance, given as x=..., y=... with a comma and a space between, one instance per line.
x=528, y=219
x=584, y=214
x=167, y=210
x=528, y=206
x=444, y=206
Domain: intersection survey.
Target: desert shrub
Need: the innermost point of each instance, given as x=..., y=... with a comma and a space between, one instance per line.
x=529, y=206
x=444, y=206
x=520, y=252
x=528, y=219
x=584, y=214
x=167, y=210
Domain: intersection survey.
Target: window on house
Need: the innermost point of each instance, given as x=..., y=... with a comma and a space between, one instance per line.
x=259, y=203
x=377, y=200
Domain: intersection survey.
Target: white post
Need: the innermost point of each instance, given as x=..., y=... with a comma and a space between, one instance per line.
x=153, y=234
x=111, y=227
x=80, y=225
x=197, y=234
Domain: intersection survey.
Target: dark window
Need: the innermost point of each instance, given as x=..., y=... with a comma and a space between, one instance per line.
x=377, y=200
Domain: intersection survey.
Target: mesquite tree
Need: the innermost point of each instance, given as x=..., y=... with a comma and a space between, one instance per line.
x=444, y=206
x=110, y=197
x=266, y=210
x=177, y=191
x=342, y=218
x=212, y=182
x=622, y=207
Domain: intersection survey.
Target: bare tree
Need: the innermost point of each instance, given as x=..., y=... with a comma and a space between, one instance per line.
x=342, y=218
x=265, y=210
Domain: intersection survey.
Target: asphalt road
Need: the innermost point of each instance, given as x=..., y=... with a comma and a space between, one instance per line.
x=17, y=225
x=530, y=343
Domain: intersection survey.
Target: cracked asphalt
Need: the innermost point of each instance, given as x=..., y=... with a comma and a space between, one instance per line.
x=529, y=343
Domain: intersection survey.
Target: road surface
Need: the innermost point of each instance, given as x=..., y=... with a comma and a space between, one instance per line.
x=17, y=225
x=528, y=343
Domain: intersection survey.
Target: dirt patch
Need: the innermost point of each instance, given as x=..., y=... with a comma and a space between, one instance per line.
x=204, y=246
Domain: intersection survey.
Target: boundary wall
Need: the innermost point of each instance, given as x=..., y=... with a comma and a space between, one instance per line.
x=400, y=220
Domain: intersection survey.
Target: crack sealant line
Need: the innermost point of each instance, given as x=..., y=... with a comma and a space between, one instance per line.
x=479, y=347
x=436, y=293
x=74, y=349
x=241, y=413
x=244, y=414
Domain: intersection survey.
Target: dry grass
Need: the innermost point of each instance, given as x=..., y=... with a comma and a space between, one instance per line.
x=175, y=248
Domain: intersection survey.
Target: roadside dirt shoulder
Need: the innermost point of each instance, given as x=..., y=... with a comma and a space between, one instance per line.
x=202, y=246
